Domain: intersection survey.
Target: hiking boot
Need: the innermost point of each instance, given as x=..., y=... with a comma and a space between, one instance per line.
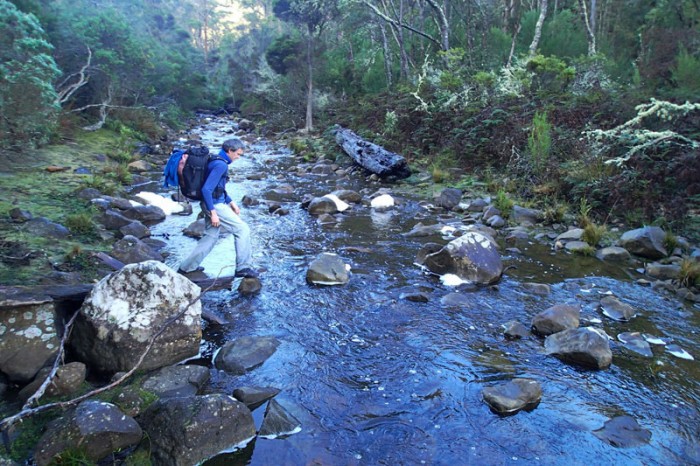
x=182, y=272
x=247, y=273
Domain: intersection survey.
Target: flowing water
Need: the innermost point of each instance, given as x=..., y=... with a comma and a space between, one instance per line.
x=377, y=379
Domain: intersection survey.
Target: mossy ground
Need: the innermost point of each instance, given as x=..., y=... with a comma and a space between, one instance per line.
x=30, y=185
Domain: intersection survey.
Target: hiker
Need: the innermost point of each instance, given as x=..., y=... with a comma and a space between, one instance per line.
x=220, y=211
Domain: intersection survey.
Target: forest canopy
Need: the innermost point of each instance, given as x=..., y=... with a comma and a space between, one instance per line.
x=518, y=86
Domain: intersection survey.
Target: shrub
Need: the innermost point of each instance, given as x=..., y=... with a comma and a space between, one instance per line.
x=539, y=142
x=81, y=224
x=690, y=273
x=503, y=203
x=685, y=76
x=593, y=234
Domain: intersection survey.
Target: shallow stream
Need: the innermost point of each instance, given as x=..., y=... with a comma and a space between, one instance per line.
x=377, y=379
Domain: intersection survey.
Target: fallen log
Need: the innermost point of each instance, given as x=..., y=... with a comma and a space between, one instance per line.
x=370, y=156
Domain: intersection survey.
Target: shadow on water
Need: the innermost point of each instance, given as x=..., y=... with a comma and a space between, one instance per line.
x=377, y=379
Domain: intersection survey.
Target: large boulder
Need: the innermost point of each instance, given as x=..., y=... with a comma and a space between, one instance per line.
x=586, y=346
x=28, y=339
x=94, y=427
x=126, y=309
x=184, y=431
x=646, y=242
x=473, y=257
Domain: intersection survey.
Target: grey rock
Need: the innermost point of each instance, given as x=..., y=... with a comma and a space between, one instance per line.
x=473, y=257
x=513, y=396
x=44, y=227
x=254, y=396
x=28, y=339
x=613, y=254
x=114, y=220
x=514, y=330
x=327, y=269
x=68, y=380
x=186, y=431
x=94, y=427
x=555, y=319
x=663, y=271
x=181, y=380
x=322, y=205
x=526, y=216
x=137, y=229
x=246, y=353
x=131, y=250
x=147, y=214
x=646, y=242
x=540, y=289
x=586, y=346
x=449, y=198
x=250, y=286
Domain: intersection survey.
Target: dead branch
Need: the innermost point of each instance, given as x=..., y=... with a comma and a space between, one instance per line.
x=397, y=23
x=67, y=92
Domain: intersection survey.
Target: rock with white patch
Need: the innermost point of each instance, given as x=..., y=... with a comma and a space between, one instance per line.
x=28, y=339
x=616, y=309
x=473, y=257
x=328, y=269
x=127, y=308
x=634, y=341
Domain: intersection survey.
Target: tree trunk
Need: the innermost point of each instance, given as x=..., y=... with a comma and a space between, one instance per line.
x=538, y=28
x=512, y=46
x=387, y=57
x=589, y=32
x=443, y=24
x=309, y=84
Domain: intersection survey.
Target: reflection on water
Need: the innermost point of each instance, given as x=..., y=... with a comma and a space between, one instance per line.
x=377, y=379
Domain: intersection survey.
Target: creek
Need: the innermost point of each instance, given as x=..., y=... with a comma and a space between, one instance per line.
x=377, y=379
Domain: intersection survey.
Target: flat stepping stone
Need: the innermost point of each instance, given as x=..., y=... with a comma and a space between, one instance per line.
x=623, y=432
x=513, y=396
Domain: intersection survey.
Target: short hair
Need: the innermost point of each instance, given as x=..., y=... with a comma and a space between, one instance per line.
x=232, y=144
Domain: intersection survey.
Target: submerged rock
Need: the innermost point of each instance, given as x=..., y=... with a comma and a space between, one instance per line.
x=635, y=342
x=623, y=432
x=616, y=309
x=278, y=421
x=513, y=396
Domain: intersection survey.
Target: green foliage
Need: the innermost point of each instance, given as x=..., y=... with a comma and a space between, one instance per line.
x=584, y=213
x=27, y=69
x=563, y=36
x=81, y=224
x=550, y=73
x=555, y=213
x=593, y=234
x=685, y=76
x=539, y=142
x=283, y=53
x=690, y=273
x=503, y=203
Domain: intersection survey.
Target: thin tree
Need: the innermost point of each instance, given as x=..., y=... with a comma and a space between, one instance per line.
x=538, y=28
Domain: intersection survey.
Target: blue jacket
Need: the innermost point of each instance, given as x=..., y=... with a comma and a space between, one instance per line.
x=170, y=177
x=217, y=178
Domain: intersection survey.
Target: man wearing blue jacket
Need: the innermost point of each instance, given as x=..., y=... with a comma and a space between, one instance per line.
x=220, y=211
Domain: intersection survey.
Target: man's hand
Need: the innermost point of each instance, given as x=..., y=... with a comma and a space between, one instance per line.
x=215, y=219
x=235, y=208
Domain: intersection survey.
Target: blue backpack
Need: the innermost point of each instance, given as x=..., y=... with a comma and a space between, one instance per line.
x=188, y=169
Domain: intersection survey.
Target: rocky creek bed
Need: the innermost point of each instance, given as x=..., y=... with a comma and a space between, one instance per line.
x=400, y=360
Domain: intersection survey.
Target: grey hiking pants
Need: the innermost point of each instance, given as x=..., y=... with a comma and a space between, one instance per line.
x=231, y=222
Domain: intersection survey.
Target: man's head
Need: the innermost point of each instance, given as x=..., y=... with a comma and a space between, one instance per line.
x=233, y=147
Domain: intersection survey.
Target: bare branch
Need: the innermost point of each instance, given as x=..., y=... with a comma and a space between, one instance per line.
x=67, y=93
x=400, y=24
